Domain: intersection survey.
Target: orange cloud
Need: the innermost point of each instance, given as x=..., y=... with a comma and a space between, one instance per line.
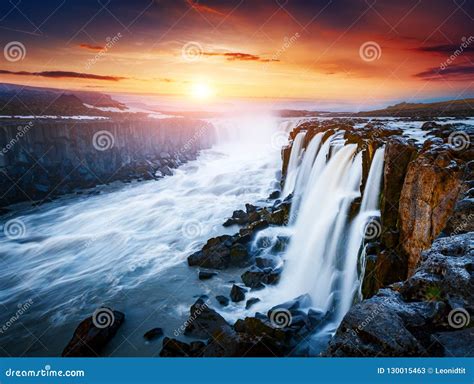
x=234, y=56
x=91, y=47
x=203, y=8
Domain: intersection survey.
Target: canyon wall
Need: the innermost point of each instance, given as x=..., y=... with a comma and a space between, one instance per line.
x=41, y=159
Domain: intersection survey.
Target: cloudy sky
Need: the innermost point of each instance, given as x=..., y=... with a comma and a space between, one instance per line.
x=352, y=51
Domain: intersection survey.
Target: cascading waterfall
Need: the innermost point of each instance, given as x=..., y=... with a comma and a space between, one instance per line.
x=368, y=210
x=323, y=255
x=293, y=163
x=309, y=269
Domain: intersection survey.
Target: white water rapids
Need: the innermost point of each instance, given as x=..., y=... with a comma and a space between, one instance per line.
x=127, y=247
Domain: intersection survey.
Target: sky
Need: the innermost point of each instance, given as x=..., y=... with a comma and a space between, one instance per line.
x=343, y=52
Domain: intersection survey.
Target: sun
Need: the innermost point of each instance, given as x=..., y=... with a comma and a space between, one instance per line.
x=201, y=91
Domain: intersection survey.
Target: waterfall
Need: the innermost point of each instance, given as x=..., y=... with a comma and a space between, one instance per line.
x=323, y=254
x=369, y=209
x=309, y=268
x=293, y=163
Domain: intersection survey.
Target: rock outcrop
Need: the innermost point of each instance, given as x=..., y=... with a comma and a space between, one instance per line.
x=43, y=159
x=421, y=316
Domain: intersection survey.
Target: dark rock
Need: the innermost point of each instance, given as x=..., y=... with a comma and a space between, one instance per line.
x=250, y=302
x=274, y=195
x=203, y=321
x=256, y=277
x=89, y=340
x=264, y=262
x=215, y=254
x=176, y=348
x=153, y=334
x=239, y=255
x=405, y=319
x=450, y=342
x=237, y=293
x=224, y=301
x=206, y=275
x=462, y=219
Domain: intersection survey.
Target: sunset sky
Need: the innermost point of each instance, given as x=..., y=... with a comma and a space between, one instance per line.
x=371, y=52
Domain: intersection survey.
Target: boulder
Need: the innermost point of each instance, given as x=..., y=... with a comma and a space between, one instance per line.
x=94, y=333
x=206, y=275
x=258, y=278
x=176, y=348
x=153, y=334
x=203, y=321
x=222, y=300
x=237, y=293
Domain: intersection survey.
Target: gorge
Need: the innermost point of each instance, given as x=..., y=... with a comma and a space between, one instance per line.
x=357, y=241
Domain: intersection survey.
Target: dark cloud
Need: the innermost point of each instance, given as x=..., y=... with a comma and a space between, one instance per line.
x=453, y=72
x=63, y=74
x=239, y=56
x=445, y=49
x=91, y=47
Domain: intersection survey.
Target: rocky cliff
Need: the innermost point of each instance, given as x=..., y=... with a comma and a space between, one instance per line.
x=41, y=159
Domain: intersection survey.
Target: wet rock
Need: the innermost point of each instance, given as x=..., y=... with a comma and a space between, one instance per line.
x=264, y=262
x=451, y=347
x=462, y=219
x=405, y=319
x=274, y=195
x=237, y=293
x=176, y=348
x=222, y=300
x=206, y=275
x=89, y=340
x=215, y=254
x=204, y=321
x=252, y=301
x=153, y=334
x=239, y=255
x=257, y=278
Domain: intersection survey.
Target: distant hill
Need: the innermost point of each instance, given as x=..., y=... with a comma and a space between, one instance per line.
x=25, y=100
x=458, y=108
